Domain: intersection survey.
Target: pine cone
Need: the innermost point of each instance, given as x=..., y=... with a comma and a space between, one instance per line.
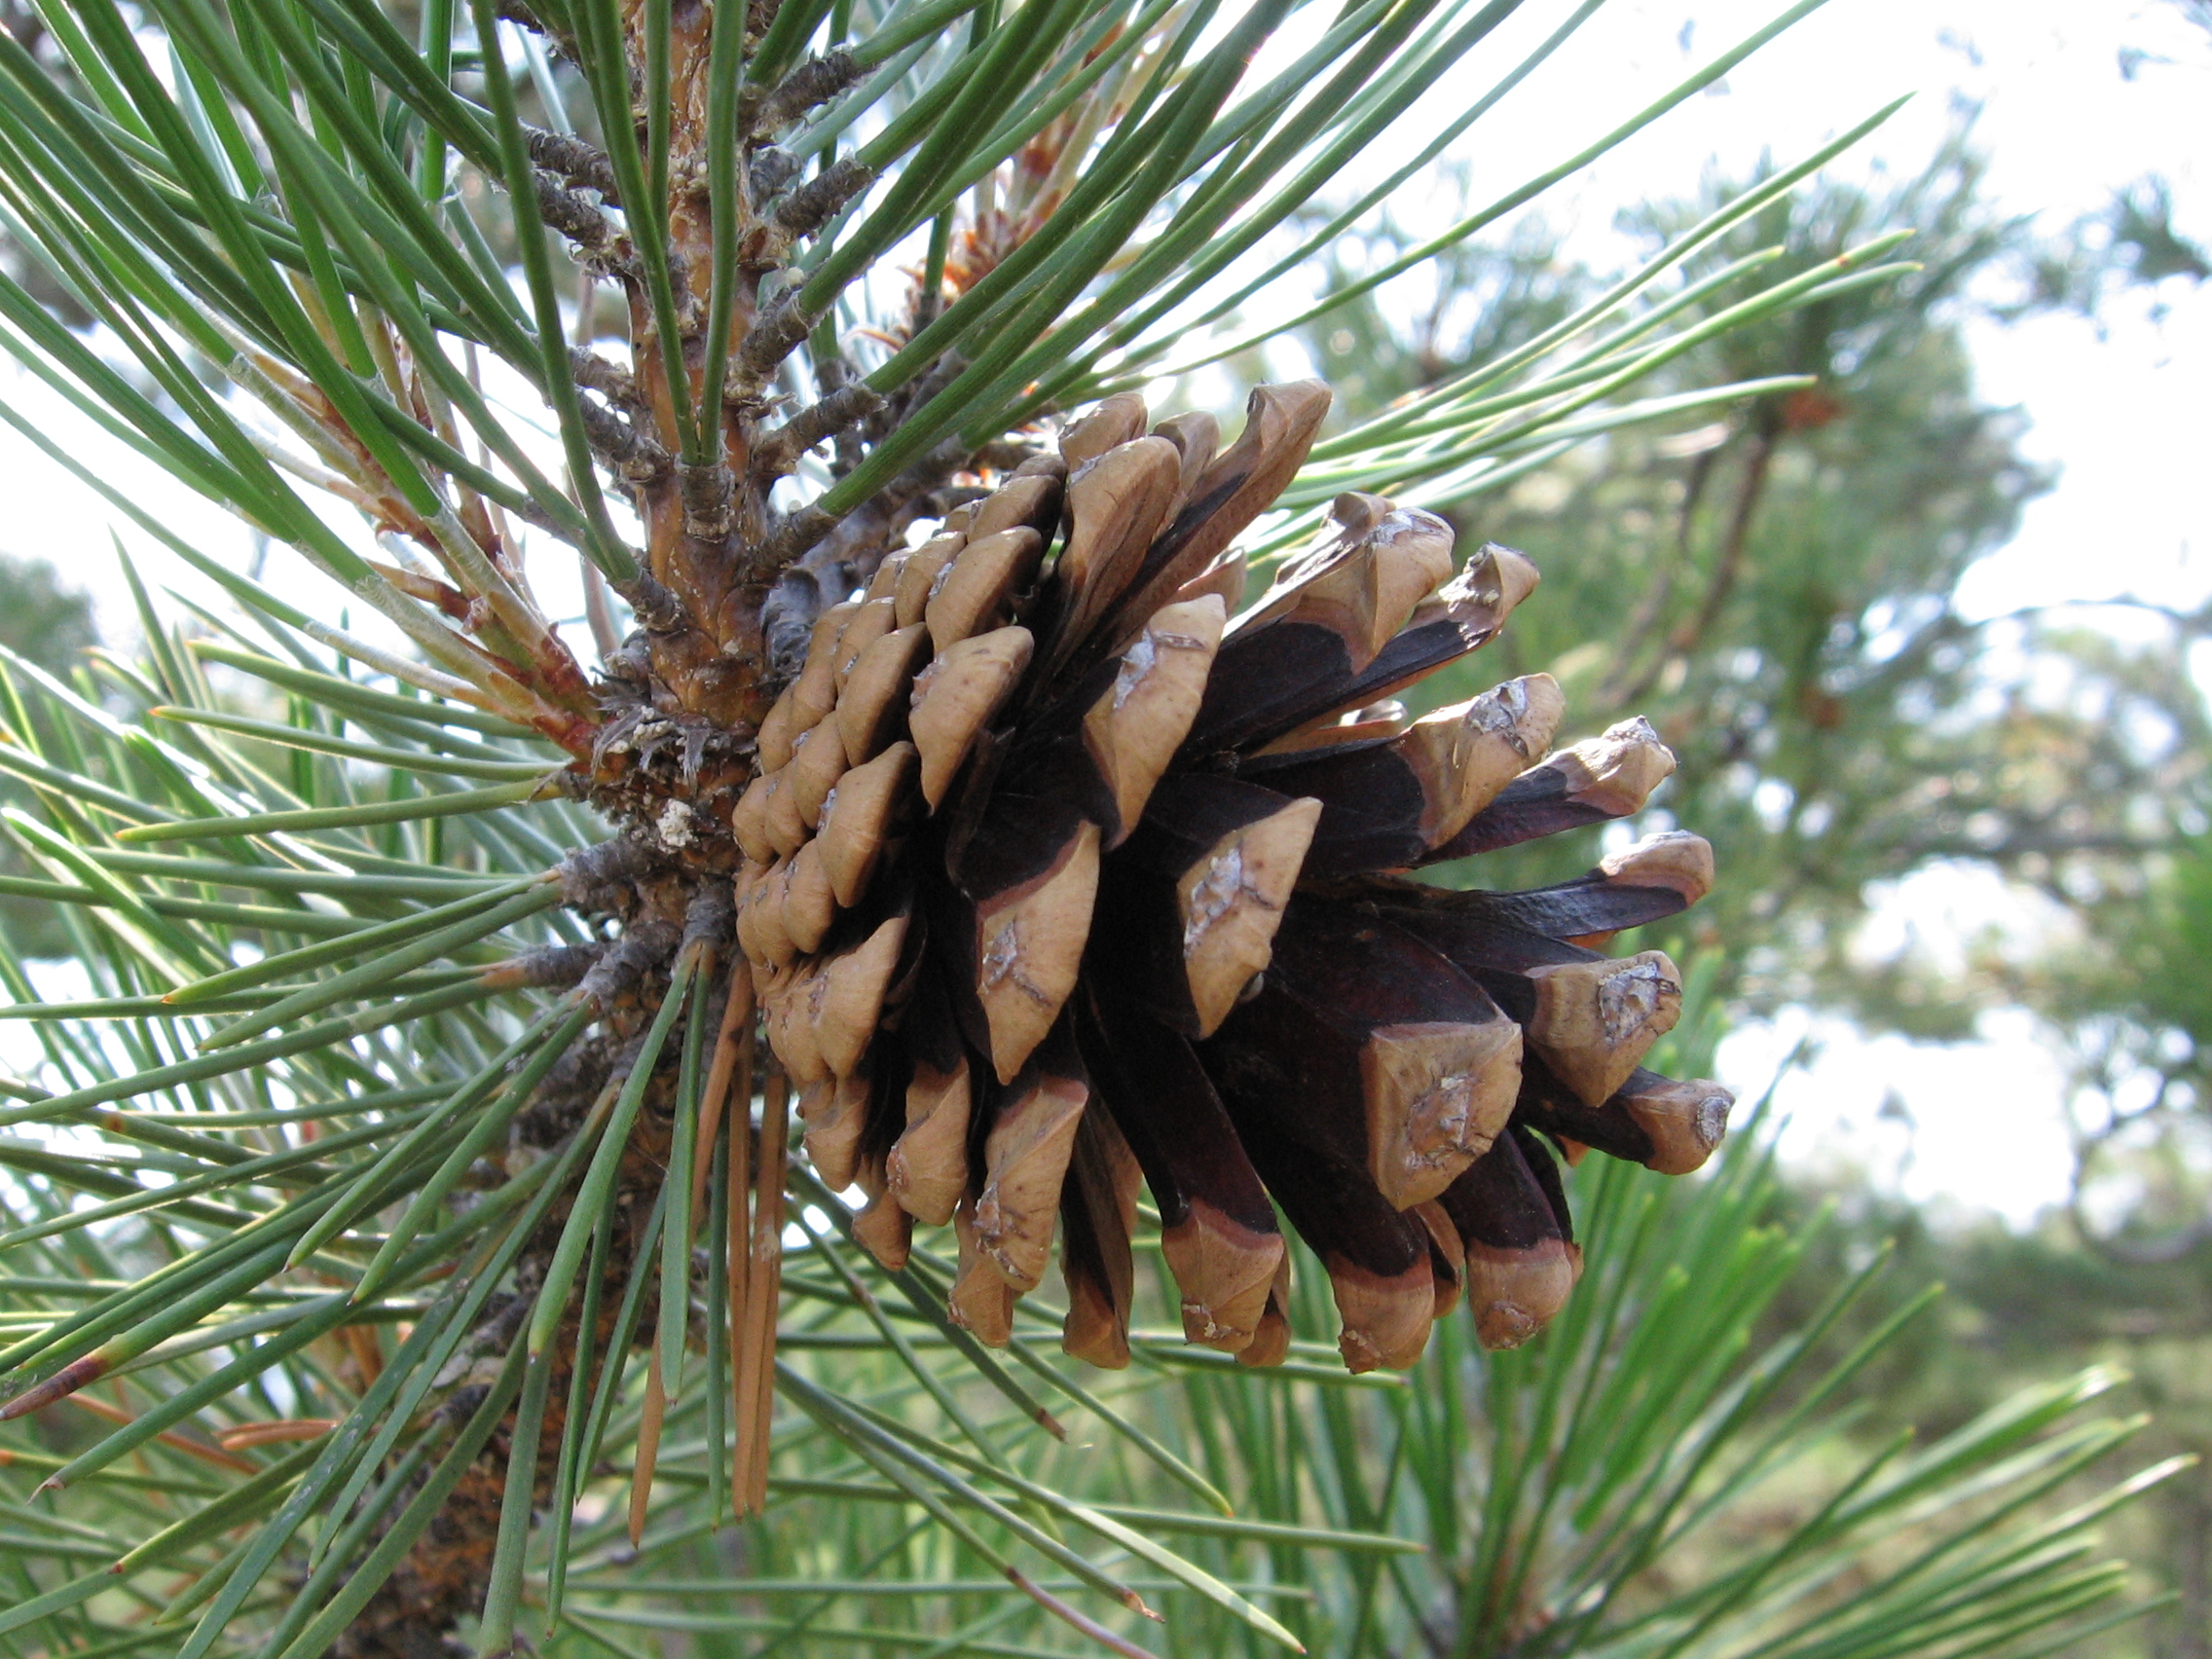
x=1057, y=882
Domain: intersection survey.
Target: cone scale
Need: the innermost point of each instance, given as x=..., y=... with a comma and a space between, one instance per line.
x=1060, y=879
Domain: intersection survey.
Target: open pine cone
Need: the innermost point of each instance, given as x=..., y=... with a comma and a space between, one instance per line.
x=1058, y=881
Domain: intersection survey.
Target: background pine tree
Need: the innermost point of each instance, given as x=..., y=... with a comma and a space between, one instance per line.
x=1843, y=726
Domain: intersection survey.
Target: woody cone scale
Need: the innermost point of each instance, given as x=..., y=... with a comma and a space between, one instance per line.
x=1063, y=879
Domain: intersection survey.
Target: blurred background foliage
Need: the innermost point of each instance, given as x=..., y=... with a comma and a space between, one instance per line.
x=1776, y=590
x=46, y=621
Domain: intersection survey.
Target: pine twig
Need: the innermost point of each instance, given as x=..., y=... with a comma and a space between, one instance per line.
x=830, y=415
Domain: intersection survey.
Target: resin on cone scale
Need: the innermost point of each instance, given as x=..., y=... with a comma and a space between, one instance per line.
x=1062, y=877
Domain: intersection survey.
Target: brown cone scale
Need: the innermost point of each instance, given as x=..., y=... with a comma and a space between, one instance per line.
x=1069, y=876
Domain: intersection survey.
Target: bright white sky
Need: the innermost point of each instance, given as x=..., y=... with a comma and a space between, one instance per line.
x=1982, y=1125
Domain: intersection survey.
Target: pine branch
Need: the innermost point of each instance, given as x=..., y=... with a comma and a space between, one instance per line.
x=1024, y=879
